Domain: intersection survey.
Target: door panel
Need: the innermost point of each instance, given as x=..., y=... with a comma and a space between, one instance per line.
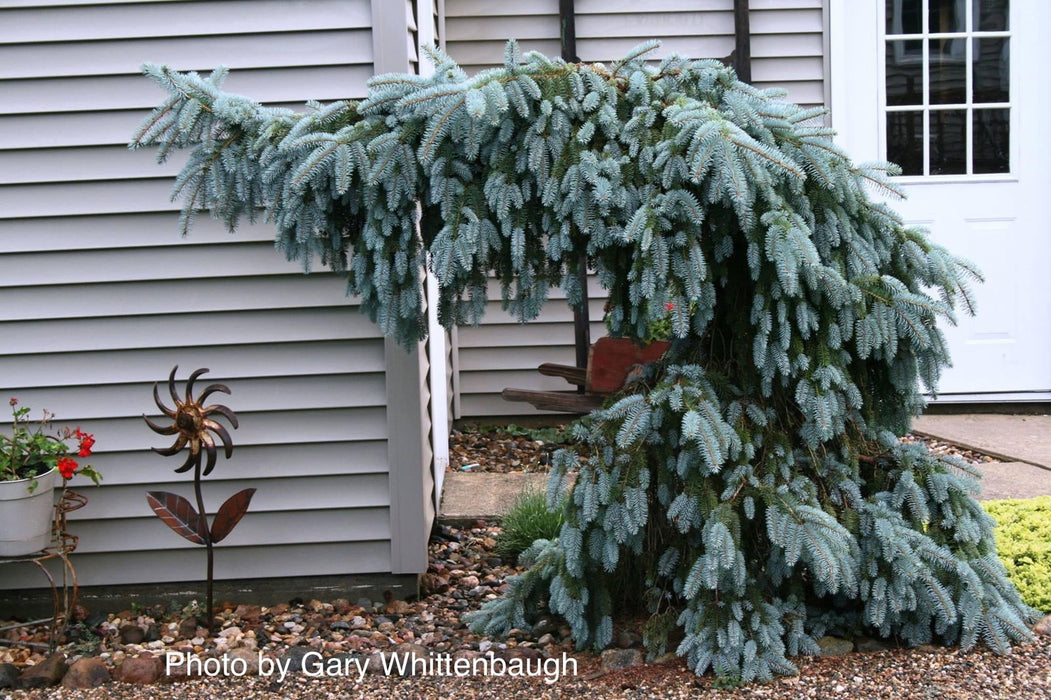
x=952, y=91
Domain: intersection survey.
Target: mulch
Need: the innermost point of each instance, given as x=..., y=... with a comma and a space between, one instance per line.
x=496, y=449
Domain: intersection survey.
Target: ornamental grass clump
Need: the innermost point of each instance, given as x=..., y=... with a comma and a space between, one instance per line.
x=528, y=519
x=753, y=488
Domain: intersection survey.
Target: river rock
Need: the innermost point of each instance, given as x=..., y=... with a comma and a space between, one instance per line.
x=834, y=646
x=144, y=669
x=519, y=652
x=8, y=675
x=250, y=657
x=615, y=659
x=248, y=613
x=433, y=583
x=298, y=661
x=188, y=628
x=544, y=626
x=44, y=674
x=89, y=672
x=131, y=634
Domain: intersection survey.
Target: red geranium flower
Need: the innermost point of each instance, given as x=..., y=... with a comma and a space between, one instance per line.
x=87, y=441
x=67, y=466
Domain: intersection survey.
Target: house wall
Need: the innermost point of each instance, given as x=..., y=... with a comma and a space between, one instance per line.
x=787, y=42
x=100, y=297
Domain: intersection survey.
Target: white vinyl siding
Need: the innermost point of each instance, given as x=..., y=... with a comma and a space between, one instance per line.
x=100, y=296
x=787, y=40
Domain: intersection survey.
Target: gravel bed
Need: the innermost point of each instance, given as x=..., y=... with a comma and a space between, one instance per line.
x=464, y=572
x=890, y=675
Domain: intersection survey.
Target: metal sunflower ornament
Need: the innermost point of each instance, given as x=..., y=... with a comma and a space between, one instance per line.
x=194, y=424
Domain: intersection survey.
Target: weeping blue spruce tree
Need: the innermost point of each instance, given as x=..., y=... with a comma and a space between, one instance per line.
x=751, y=490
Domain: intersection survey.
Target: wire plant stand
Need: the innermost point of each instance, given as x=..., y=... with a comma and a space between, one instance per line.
x=64, y=586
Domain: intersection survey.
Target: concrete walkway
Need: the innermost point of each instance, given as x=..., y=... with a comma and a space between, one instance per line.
x=483, y=495
x=1022, y=443
x=1008, y=438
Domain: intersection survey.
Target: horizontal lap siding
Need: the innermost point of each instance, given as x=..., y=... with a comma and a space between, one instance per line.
x=787, y=41
x=100, y=296
x=788, y=48
x=476, y=31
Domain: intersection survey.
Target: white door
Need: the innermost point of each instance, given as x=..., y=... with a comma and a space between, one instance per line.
x=957, y=93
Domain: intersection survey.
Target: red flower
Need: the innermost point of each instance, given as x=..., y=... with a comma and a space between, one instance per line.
x=87, y=441
x=13, y=401
x=67, y=466
x=670, y=306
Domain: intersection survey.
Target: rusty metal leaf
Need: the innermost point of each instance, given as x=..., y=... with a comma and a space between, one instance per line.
x=179, y=515
x=230, y=513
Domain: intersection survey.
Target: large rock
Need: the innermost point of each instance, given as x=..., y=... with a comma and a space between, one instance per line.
x=834, y=646
x=89, y=672
x=615, y=659
x=188, y=628
x=298, y=660
x=46, y=673
x=144, y=669
x=250, y=657
x=1043, y=627
x=544, y=626
x=8, y=675
x=398, y=607
x=248, y=613
x=131, y=633
x=433, y=583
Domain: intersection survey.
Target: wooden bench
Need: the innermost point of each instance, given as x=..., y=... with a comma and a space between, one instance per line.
x=609, y=362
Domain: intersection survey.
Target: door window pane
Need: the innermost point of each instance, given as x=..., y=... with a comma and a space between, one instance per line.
x=948, y=141
x=905, y=72
x=905, y=141
x=991, y=70
x=991, y=140
x=947, y=16
x=948, y=72
x=904, y=16
x=991, y=15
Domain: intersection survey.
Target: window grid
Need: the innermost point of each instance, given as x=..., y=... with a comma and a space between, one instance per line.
x=969, y=36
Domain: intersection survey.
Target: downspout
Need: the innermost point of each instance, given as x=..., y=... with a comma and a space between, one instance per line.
x=742, y=42
x=567, y=23
x=437, y=347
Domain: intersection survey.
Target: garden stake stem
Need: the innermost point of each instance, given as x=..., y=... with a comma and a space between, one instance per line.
x=209, y=614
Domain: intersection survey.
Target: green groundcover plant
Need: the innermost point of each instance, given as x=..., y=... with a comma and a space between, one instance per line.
x=1023, y=538
x=750, y=492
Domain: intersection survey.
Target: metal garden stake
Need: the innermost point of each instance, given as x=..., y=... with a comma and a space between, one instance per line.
x=192, y=422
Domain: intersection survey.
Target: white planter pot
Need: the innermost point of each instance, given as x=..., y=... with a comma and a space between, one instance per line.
x=25, y=516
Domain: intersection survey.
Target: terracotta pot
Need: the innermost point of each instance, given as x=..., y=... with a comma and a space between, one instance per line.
x=612, y=358
x=26, y=514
